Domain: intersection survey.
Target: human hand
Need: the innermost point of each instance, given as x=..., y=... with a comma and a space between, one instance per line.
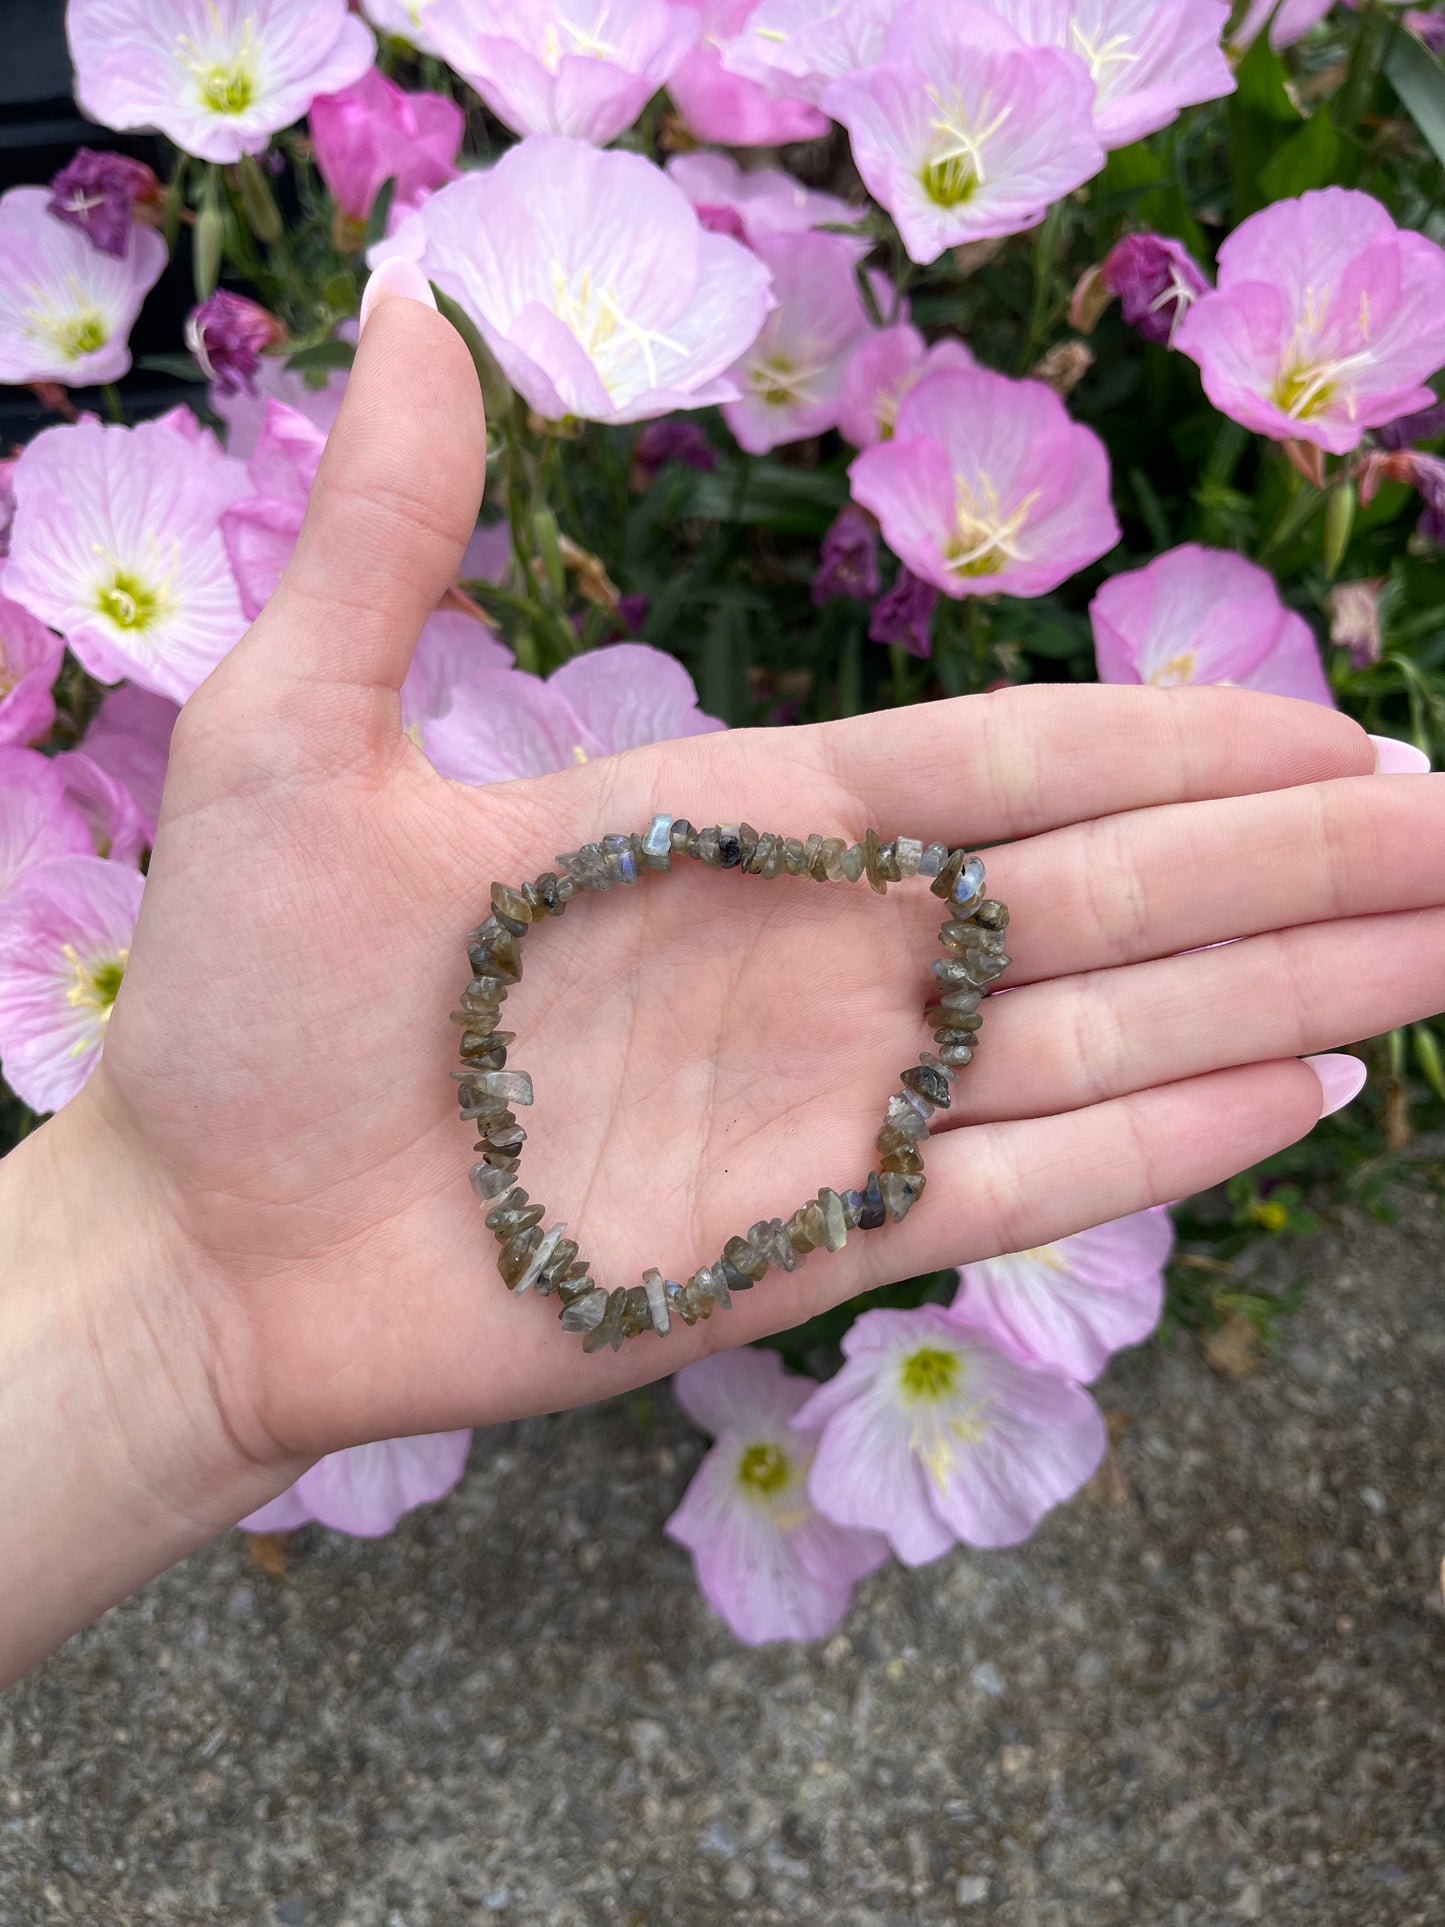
x=275, y=1103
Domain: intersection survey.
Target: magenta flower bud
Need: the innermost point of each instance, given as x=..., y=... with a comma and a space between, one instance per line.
x=99, y=193
x=227, y=334
x=905, y=614
x=848, y=559
x=1157, y=280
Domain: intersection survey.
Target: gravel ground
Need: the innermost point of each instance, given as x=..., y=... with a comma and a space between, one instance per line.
x=1208, y=1693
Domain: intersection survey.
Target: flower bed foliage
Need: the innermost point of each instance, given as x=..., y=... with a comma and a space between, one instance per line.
x=838, y=354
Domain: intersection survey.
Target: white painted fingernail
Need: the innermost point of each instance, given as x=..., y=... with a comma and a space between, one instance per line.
x=1341, y=1076
x=395, y=276
x=1394, y=758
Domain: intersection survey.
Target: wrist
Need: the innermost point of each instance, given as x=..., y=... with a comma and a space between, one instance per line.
x=119, y=1452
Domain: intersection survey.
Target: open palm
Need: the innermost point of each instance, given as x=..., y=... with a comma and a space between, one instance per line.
x=707, y=1049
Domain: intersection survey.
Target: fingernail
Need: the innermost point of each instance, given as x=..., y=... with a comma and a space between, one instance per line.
x=1341, y=1076
x=1394, y=758
x=395, y=276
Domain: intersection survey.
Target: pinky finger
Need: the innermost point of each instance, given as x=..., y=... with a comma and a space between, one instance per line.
x=1007, y=1187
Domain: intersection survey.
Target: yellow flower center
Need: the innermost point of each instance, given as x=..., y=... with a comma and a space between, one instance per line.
x=929, y=1373
x=986, y=539
x=94, y=986
x=763, y=1469
x=1179, y=669
x=227, y=75
x=587, y=41
x=955, y=171
x=72, y=324
x=128, y=602
x=1309, y=383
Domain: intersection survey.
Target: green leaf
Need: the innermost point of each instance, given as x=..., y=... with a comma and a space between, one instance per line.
x=1258, y=108
x=1419, y=79
x=380, y=212
x=1146, y=185
x=1307, y=159
x=321, y=357
x=802, y=501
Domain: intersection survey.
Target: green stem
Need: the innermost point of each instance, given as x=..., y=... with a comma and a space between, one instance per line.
x=114, y=407
x=898, y=662
x=1046, y=249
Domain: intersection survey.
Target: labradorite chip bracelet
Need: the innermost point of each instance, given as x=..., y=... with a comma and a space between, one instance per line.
x=546, y=1261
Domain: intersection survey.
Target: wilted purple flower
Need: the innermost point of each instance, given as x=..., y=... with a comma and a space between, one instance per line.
x=501, y=723
x=65, y=933
x=591, y=281
x=756, y=202
x=117, y=546
x=631, y=613
x=244, y=410
x=1429, y=24
x=848, y=559
x=218, y=77
x=1354, y=612
x=1157, y=281
x=1204, y=616
x=586, y=69
x=227, y=334
x=374, y=131
x=66, y=309
x=988, y=487
x=963, y=130
x=1068, y=1305
x=674, y=438
x=887, y=363
x=29, y=663
x=767, y=1561
x=934, y=1433
x=36, y=822
x=98, y=193
x=791, y=374
x=905, y=614
x=1326, y=321
x=130, y=739
x=365, y=1489
x=1425, y=425
x=719, y=105
x=1146, y=58
x=1427, y=474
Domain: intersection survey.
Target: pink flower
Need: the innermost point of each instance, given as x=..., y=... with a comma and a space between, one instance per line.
x=36, y=822
x=1204, y=616
x=1327, y=320
x=244, y=413
x=762, y=201
x=66, y=309
x=117, y=545
x=29, y=663
x=1157, y=281
x=887, y=363
x=933, y=1432
x=791, y=376
x=228, y=334
x=259, y=529
x=767, y=1561
x=99, y=193
x=1292, y=22
x=218, y=77
x=798, y=46
x=592, y=282
x=721, y=106
x=130, y=739
x=65, y=934
x=365, y=1489
x=454, y=649
x=1068, y=1305
x=104, y=805
x=988, y=487
x=586, y=69
x=502, y=723
x=374, y=131
x=1146, y=58
x=963, y=131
